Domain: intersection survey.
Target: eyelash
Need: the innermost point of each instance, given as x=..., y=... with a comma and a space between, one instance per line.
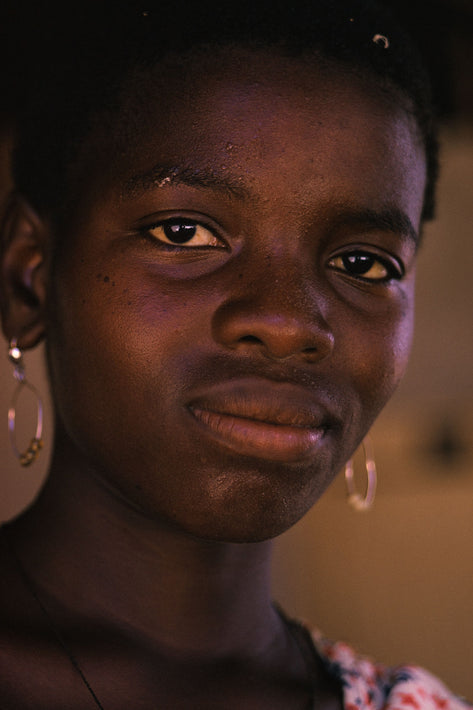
x=369, y=261
x=214, y=240
x=339, y=262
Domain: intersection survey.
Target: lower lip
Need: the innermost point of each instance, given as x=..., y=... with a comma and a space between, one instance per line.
x=250, y=437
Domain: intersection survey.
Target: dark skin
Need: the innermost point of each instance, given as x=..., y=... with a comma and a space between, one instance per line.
x=208, y=390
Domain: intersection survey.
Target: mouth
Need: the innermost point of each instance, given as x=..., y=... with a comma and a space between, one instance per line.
x=271, y=421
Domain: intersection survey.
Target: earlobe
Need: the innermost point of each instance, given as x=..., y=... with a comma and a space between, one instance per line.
x=23, y=272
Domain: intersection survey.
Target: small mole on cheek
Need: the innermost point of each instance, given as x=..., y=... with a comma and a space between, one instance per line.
x=106, y=279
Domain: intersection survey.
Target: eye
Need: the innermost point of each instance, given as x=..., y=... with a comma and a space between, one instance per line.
x=366, y=266
x=182, y=232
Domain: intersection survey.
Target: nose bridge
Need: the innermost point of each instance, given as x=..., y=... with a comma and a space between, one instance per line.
x=277, y=306
x=287, y=283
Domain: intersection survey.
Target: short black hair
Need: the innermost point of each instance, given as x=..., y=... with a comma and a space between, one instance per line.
x=86, y=51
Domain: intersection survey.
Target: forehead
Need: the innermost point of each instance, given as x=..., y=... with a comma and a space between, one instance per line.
x=254, y=115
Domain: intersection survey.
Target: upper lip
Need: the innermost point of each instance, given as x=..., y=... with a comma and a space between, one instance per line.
x=278, y=403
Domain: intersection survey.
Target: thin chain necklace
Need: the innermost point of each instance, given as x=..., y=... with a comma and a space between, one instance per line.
x=295, y=630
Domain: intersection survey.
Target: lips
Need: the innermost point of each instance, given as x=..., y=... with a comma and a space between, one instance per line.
x=272, y=421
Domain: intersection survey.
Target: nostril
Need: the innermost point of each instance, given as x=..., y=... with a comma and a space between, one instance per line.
x=250, y=339
x=311, y=354
x=271, y=330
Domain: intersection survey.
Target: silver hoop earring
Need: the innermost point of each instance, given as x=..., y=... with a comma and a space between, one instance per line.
x=36, y=444
x=356, y=500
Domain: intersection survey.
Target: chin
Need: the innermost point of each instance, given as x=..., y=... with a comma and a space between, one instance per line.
x=232, y=503
x=252, y=518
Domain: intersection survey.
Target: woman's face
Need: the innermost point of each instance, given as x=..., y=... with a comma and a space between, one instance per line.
x=233, y=306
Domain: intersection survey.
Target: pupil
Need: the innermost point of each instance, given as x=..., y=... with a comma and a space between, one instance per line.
x=358, y=263
x=179, y=232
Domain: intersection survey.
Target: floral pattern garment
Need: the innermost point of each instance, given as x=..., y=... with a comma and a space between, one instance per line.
x=370, y=686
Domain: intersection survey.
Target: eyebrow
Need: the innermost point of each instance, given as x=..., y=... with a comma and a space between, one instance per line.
x=160, y=175
x=390, y=219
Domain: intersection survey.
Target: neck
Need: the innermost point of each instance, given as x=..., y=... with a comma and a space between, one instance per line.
x=97, y=557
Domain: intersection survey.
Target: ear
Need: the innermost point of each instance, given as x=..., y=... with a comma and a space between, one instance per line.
x=23, y=272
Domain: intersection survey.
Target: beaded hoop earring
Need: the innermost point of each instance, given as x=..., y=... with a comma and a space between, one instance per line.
x=30, y=454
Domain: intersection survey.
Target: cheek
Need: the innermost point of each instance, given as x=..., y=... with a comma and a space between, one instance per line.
x=117, y=348
x=402, y=334
x=401, y=345
x=379, y=353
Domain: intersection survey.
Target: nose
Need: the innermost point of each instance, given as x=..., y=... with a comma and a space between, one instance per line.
x=279, y=316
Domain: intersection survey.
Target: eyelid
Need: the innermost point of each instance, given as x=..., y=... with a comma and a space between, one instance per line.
x=393, y=265
x=179, y=217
